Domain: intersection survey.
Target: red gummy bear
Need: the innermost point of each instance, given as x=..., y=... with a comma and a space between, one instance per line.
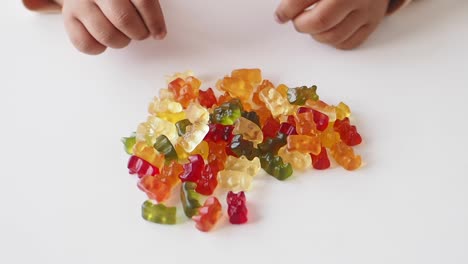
x=288, y=129
x=237, y=210
x=291, y=120
x=208, y=180
x=321, y=120
x=271, y=128
x=193, y=169
x=205, y=176
x=141, y=167
x=219, y=132
x=208, y=214
x=207, y=98
x=348, y=133
x=320, y=161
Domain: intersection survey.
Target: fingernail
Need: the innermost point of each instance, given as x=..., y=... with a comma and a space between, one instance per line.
x=161, y=35
x=278, y=19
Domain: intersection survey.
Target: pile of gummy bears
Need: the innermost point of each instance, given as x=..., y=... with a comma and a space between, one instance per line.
x=202, y=142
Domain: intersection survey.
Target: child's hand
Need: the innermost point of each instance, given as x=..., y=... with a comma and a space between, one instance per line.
x=344, y=24
x=94, y=25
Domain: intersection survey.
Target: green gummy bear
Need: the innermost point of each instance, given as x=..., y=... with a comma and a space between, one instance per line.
x=158, y=213
x=164, y=146
x=227, y=113
x=242, y=147
x=181, y=126
x=272, y=145
x=275, y=166
x=190, y=198
x=129, y=142
x=300, y=95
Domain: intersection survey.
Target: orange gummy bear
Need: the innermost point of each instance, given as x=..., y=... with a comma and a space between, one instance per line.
x=304, y=144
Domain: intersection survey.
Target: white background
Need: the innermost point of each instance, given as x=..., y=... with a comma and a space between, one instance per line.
x=66, y=197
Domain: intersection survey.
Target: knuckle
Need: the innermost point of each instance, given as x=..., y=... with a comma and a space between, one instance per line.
x=321, y=21
x=123, y=19
x=88, y=46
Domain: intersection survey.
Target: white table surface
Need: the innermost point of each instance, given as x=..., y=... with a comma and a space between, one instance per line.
x=66, y=197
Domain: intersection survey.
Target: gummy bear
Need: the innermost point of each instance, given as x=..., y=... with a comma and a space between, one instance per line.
x=241, y=147
x=164, y=105
x=203, y=149
x=275, y=166
x=263, y=114
x=345, y=157
x=321, y=120
x=298, y=160
x=287, y=129
x=252, y=116
x=155, y=127
x=217, y=153
x=149, y=154
x=249, y=130
x=170, y=173
x=207, y=98
x=236, y=87
x=182, y=75
x=224, y=98
x=185, y=91
x=237, y=209
x=165, y=147
x=304, y=144
x=155, y=188
x=208, y=180
x=283, y=90
x=253, y=76
x=227, y=113
x=329, y=137
x=129, y=142
x=256, y=96
x=273, y=100
x=193, y=169
x=238, y=173
x=300, y=95
x=208, y=215
x=194, y=135
x=190, y=199
x=320, y=161
x=272, y=145
x=218, y=132
x=141, y=167
x=305, y=124
x=342, y=111
x=348, y=133
x=158, y=213
x=271, y=128
x=323, y=108
x=197, y=113
x=181, y=126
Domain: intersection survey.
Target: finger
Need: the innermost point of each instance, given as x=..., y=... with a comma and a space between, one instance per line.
x=102, y=29
x=153, y=17
x=289, y=9
x=123, y=15
x=81, y=39
x=343, y=30
x=324, y=16
x=357, y=38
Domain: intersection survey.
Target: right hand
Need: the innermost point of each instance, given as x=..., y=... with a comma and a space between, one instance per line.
x=95, y=25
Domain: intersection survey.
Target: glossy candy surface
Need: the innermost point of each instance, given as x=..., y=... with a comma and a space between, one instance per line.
x=215, y=146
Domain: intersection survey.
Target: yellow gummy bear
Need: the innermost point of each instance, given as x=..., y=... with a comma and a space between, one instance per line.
x=197, y=114
x=342, y=111
x=202, y=149
x=277, y=104
x=249, y=130
x=238, y=173
x=193, y=136
x=253, y=76
x=298, y=160
x=148, y=153
x=236, y=88
x=155, y=127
